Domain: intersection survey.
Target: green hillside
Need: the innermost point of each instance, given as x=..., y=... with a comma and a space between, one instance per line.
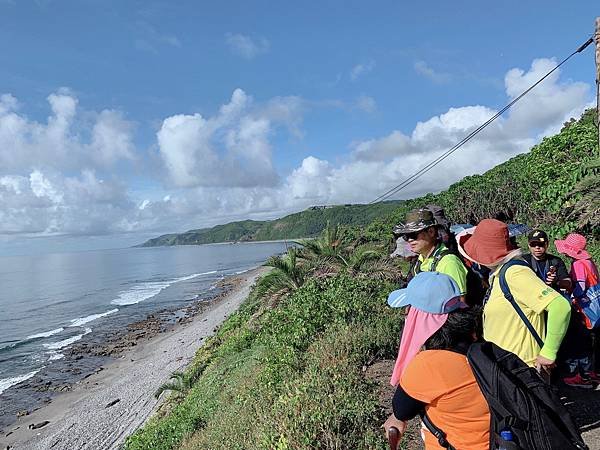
x=308, y=223
x=290, y=369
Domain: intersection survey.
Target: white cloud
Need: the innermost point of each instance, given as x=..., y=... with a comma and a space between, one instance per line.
x=422, y=68
x=230, y=149
x=220, y=166
x=361, y=69
x=50, y=203
x=379, y=164
x=68, y=139
x=246, y=46
x=150, y=39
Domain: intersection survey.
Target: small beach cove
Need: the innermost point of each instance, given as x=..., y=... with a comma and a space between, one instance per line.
x=104, y=408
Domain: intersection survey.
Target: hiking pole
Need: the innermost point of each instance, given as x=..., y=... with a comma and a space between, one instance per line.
x=393, y=438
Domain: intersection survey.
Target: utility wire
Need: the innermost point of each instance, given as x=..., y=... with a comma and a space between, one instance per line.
x=467, y=138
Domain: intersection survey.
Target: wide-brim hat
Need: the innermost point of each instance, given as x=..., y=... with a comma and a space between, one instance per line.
x=487, y=244
x=574, y=246
x=416, y=220
x=431, y=292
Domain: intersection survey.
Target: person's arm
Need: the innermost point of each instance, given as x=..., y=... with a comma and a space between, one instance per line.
x=405, y=407
x=559, y=313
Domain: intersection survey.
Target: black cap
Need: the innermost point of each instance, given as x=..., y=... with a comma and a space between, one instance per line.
x=537, y=236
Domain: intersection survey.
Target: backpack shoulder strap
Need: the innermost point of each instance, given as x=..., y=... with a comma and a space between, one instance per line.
x=508, y=295
x=416, y=267
x=438, y=257
x=437, y=432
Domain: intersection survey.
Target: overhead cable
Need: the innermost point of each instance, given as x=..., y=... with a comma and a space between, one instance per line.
x=467, y=138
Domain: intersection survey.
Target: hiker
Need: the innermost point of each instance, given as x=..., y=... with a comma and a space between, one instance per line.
x=420, y=230
x=514, y=315
x=577, y=348
x=438, y=381
x=549, y=268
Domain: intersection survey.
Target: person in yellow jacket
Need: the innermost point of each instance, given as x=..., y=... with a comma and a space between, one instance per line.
x=546, y=310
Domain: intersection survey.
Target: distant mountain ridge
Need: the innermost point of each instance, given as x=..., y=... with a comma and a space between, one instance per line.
x=307, y=223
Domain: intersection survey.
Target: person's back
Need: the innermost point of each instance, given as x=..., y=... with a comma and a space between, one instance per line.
x=438, y=383
x=502, y=324
x=577, y=350
x=527, y=318
x=454, y=402
x=584, y=274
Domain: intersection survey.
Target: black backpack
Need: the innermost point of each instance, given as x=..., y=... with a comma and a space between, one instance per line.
x=522, y=402
x=476, y=288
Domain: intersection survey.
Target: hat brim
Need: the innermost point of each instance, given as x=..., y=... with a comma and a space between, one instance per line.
x=398, y=298
x=470, y=248
x=563, y=247
x=412, y=228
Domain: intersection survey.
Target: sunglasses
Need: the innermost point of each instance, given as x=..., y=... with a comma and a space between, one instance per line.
x=411, y=236
x=536, y=244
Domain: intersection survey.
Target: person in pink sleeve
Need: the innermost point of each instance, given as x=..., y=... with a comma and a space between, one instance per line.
x=577, y=345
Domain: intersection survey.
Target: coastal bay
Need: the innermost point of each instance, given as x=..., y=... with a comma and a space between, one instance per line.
x=104, y=408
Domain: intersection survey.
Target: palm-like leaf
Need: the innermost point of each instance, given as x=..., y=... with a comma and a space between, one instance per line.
x=179, y=383
x=287, y=275
x=361, y=255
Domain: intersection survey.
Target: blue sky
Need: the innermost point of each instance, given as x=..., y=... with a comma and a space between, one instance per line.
x=122, y=120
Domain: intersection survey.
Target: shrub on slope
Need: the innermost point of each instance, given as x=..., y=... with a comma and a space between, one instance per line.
x=291, y=380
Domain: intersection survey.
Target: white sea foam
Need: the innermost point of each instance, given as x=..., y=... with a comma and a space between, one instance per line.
x=55, y=356
x=62, y=344
x=8, y=382
x=46, y=333
x=148, y=290
x=83, y=320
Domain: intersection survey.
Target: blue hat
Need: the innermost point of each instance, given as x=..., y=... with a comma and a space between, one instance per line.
x=431, y=292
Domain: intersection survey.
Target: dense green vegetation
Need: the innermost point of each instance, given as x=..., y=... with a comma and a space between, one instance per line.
x=537, y=188
x=289, y=376
x=284, y=372
x=305, y=224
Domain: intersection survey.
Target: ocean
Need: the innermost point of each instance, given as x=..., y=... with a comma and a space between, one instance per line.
x=50, y=302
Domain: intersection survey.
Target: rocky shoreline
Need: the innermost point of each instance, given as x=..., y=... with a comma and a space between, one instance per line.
x=90, y=357
x=159, y=322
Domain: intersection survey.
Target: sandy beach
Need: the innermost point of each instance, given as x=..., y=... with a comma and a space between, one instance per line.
x=102, y=410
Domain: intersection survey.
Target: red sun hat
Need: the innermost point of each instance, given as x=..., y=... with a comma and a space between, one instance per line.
x=488, y=244
x=573, y=245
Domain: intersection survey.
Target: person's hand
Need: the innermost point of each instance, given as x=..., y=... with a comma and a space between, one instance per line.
x=393, y=422
x=550, y=278
x=544, y=365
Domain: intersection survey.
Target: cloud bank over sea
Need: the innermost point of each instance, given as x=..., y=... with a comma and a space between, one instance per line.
x=81, y=173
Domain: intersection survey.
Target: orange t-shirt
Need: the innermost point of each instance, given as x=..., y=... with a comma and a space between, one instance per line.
x=444, y=381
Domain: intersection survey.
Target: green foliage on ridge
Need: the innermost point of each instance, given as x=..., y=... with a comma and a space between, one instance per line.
x=305, y=224
x=536, y=188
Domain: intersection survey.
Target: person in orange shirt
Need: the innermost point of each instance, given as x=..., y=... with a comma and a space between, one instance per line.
x=436, y=380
